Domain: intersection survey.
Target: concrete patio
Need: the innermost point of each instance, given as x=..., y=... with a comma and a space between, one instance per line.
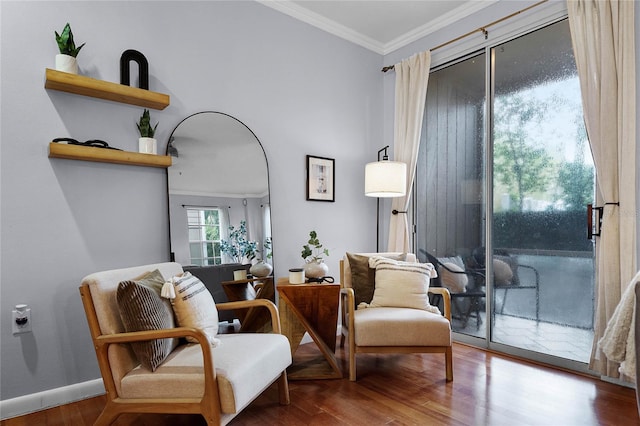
x=565, y=324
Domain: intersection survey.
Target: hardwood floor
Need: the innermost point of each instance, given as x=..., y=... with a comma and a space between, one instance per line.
x=488, y=389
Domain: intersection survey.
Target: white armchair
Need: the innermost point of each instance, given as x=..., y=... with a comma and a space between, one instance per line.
x=390, y=329
x=216, y=382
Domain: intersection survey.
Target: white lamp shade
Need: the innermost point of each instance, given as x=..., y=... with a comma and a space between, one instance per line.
x=385, y=179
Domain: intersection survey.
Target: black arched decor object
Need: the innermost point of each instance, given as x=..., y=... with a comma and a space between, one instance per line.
x=143, y=68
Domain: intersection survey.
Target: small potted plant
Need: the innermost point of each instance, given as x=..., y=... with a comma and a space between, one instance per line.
x=66, y=60
x=147, y=143
x=312, y=253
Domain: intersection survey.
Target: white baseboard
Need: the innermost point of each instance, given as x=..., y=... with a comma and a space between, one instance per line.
x=50, y=398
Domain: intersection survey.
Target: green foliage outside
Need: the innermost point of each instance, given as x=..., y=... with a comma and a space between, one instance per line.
x=576, y=180
x=525, y=169
x=212, y=231
x=520, y=167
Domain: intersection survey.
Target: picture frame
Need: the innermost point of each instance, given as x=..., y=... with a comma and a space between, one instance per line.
x=321, y=174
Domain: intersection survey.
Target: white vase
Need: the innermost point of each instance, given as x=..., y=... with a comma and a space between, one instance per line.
x=261, y=269
x=316, y=269
x=147, y=146
x=66, y=63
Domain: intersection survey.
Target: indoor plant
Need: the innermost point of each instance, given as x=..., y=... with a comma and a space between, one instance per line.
x=238, y=247
x=312, y=253
x=147, y=143
x=66, y=60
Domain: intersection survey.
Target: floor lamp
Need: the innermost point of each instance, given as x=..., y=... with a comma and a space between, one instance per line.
x=384, y=179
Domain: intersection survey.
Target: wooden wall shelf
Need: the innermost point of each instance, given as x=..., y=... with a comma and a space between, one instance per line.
x=102, y=155
x=87, y=86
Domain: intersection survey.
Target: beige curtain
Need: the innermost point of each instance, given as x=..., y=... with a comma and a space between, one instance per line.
x=412, y=76
x=602, y=33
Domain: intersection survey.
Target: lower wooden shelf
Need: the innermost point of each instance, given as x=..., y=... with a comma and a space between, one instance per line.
x=103, y=155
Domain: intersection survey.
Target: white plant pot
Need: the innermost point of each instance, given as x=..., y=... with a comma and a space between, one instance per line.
x=316, y=269
x=147, y=146
x=66, y=63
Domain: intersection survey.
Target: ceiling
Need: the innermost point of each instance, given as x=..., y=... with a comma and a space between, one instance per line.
x=379, y=25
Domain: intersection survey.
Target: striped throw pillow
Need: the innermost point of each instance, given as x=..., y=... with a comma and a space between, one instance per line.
x=194, y=306
x=141, y=309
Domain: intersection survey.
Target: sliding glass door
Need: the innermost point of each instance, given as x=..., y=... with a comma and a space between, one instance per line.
x=543, y=178
x=505, y=173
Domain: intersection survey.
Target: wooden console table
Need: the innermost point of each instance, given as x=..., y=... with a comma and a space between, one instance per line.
x=251, y=319
x=311, y=308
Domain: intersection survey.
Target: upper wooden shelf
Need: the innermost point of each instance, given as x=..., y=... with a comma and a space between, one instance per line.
x=103, y=155
x=87, y=86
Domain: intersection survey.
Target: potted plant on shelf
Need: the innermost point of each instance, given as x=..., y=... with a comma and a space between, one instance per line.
x=147, y=143
x=261, y=268
x=312, y=253
x=66, y=60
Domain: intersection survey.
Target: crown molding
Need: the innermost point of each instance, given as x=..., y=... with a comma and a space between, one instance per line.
x=467, y=9
x=324, y=24
x=292, y=9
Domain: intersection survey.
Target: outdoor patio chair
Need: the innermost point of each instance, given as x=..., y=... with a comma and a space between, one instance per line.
x=508, y=274
x=465, y=287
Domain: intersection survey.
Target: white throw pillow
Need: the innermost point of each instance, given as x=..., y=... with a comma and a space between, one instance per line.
x=402, y=284
x=455, y=282
x=194, y=306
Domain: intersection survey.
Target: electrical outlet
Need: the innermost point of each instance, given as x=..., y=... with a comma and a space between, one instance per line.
x=21, y=319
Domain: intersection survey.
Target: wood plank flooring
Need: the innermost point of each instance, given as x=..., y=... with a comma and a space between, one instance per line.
x=488, y=389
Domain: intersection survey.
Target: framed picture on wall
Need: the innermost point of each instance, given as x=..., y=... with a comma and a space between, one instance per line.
x=321, y=174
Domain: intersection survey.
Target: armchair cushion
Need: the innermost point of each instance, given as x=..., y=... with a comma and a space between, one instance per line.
x=381, y=326
x=402, y=284
x=194, y=306
x=240, y=374
x=363, y=276
x=141, y=309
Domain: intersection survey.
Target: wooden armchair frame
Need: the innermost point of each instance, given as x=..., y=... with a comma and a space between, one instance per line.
x=347, y=299
x=208, y=406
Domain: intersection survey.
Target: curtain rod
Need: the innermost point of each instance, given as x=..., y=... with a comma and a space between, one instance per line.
x=481, y=29
x=196, y=206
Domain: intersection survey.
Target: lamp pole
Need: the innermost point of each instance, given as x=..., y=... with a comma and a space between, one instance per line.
x=384, y=157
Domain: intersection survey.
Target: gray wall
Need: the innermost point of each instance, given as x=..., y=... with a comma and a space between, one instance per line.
x=301, y=90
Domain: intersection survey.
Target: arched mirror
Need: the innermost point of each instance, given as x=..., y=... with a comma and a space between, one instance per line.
x=219, y=178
